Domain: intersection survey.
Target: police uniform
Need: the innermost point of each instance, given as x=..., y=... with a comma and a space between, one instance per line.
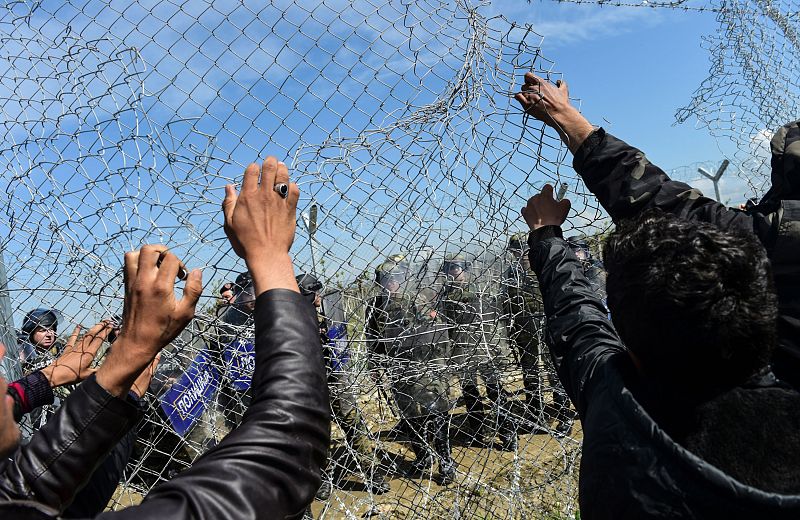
x=474, y=322
x=344, y=402
x=406, y=332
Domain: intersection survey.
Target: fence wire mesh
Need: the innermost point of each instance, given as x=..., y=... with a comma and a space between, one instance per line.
x=124, y=120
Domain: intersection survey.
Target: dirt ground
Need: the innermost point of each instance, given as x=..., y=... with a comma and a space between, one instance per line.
x=538, y=481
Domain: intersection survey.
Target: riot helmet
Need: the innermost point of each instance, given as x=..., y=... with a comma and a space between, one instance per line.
x=309, y=286
x=244, y=300
x=581, y=249
x=45, y=318
x=518, y=243
x=392, y=273
x=455, y=268
x=39, y=329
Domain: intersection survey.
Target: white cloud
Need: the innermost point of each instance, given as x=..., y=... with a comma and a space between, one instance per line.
x=562, y=26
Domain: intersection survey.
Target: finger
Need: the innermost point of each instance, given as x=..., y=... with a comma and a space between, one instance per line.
x=168, y=268
x=564, y=205
x=2, y=350
x=294, y=196
x=96, y=335
x=547, y=191
x=229, y=202
x=250, y=179
x=269, y=170
x=149, y=255
x=562, y=86
x=532, y=78
x=74, y=337
x=282, y=173
x=191, y=293
x=130, y=268
x=523, y=100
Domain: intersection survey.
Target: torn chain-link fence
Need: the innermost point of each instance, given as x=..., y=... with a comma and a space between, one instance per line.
x=124, y=120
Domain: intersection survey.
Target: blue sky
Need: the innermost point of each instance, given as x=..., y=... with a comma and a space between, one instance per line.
x=632, y=68
x=371, y=116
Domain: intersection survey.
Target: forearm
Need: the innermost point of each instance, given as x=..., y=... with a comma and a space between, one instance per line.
x=572, y=127
x=272, y=461
x=64, y=453
x=123, y=365
x=578, y=331
x=272, y=272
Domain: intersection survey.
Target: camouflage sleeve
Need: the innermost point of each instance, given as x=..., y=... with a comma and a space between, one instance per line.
x=626, y=183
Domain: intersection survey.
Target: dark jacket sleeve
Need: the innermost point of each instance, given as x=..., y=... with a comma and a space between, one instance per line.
x=64, y=453
x=578, y=332
x=269, y=466
x=626, y=183
x=29, y=393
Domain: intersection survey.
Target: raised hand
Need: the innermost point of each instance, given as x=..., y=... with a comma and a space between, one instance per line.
x=72, y=366
x=260, y=224
x=544, y=210
x=151, y=317
x=550, y=103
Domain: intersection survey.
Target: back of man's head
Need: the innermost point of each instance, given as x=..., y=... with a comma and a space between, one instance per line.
x=695, y=305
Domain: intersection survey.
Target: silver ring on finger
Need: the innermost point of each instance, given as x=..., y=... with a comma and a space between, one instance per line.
x=282, y=189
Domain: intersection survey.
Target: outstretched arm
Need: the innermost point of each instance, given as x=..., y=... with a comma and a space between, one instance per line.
x=64, y=453
x=270, y=465
x=578, y=331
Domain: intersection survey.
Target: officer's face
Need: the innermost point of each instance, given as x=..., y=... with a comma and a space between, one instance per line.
x=582, y=255
x=457, y=273
x=392, y=285
x=227, y=297
x=43, y=337
x=317, y=300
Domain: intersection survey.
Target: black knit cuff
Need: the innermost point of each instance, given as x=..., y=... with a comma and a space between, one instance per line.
x=37, y=390
x=543, y=233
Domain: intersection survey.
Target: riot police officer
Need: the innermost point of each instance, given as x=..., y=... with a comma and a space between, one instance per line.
x=236, y=338
x=413, y=344
x=344, y=403
x=474, y=350
x=524, y=319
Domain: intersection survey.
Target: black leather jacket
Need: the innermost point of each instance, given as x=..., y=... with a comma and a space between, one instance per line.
x=630, y=467
x=268, y=467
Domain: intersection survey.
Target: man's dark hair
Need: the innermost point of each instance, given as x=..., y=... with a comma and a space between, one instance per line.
x=695, y=304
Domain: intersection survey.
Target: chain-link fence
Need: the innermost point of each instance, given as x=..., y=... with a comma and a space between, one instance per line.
x=124, y=120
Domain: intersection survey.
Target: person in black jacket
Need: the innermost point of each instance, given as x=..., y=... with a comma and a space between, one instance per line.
x=626, y=183
x=270, y=465
x=682, y=417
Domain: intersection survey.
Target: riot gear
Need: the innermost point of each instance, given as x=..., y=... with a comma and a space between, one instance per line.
x=474, y=347
x=406, y=333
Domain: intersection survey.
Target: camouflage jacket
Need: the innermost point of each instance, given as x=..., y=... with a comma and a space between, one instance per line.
x=387, y=318
x=523, y=310
x=626, y=183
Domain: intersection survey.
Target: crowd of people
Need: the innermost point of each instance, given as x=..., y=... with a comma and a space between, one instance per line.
x=679, y=354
